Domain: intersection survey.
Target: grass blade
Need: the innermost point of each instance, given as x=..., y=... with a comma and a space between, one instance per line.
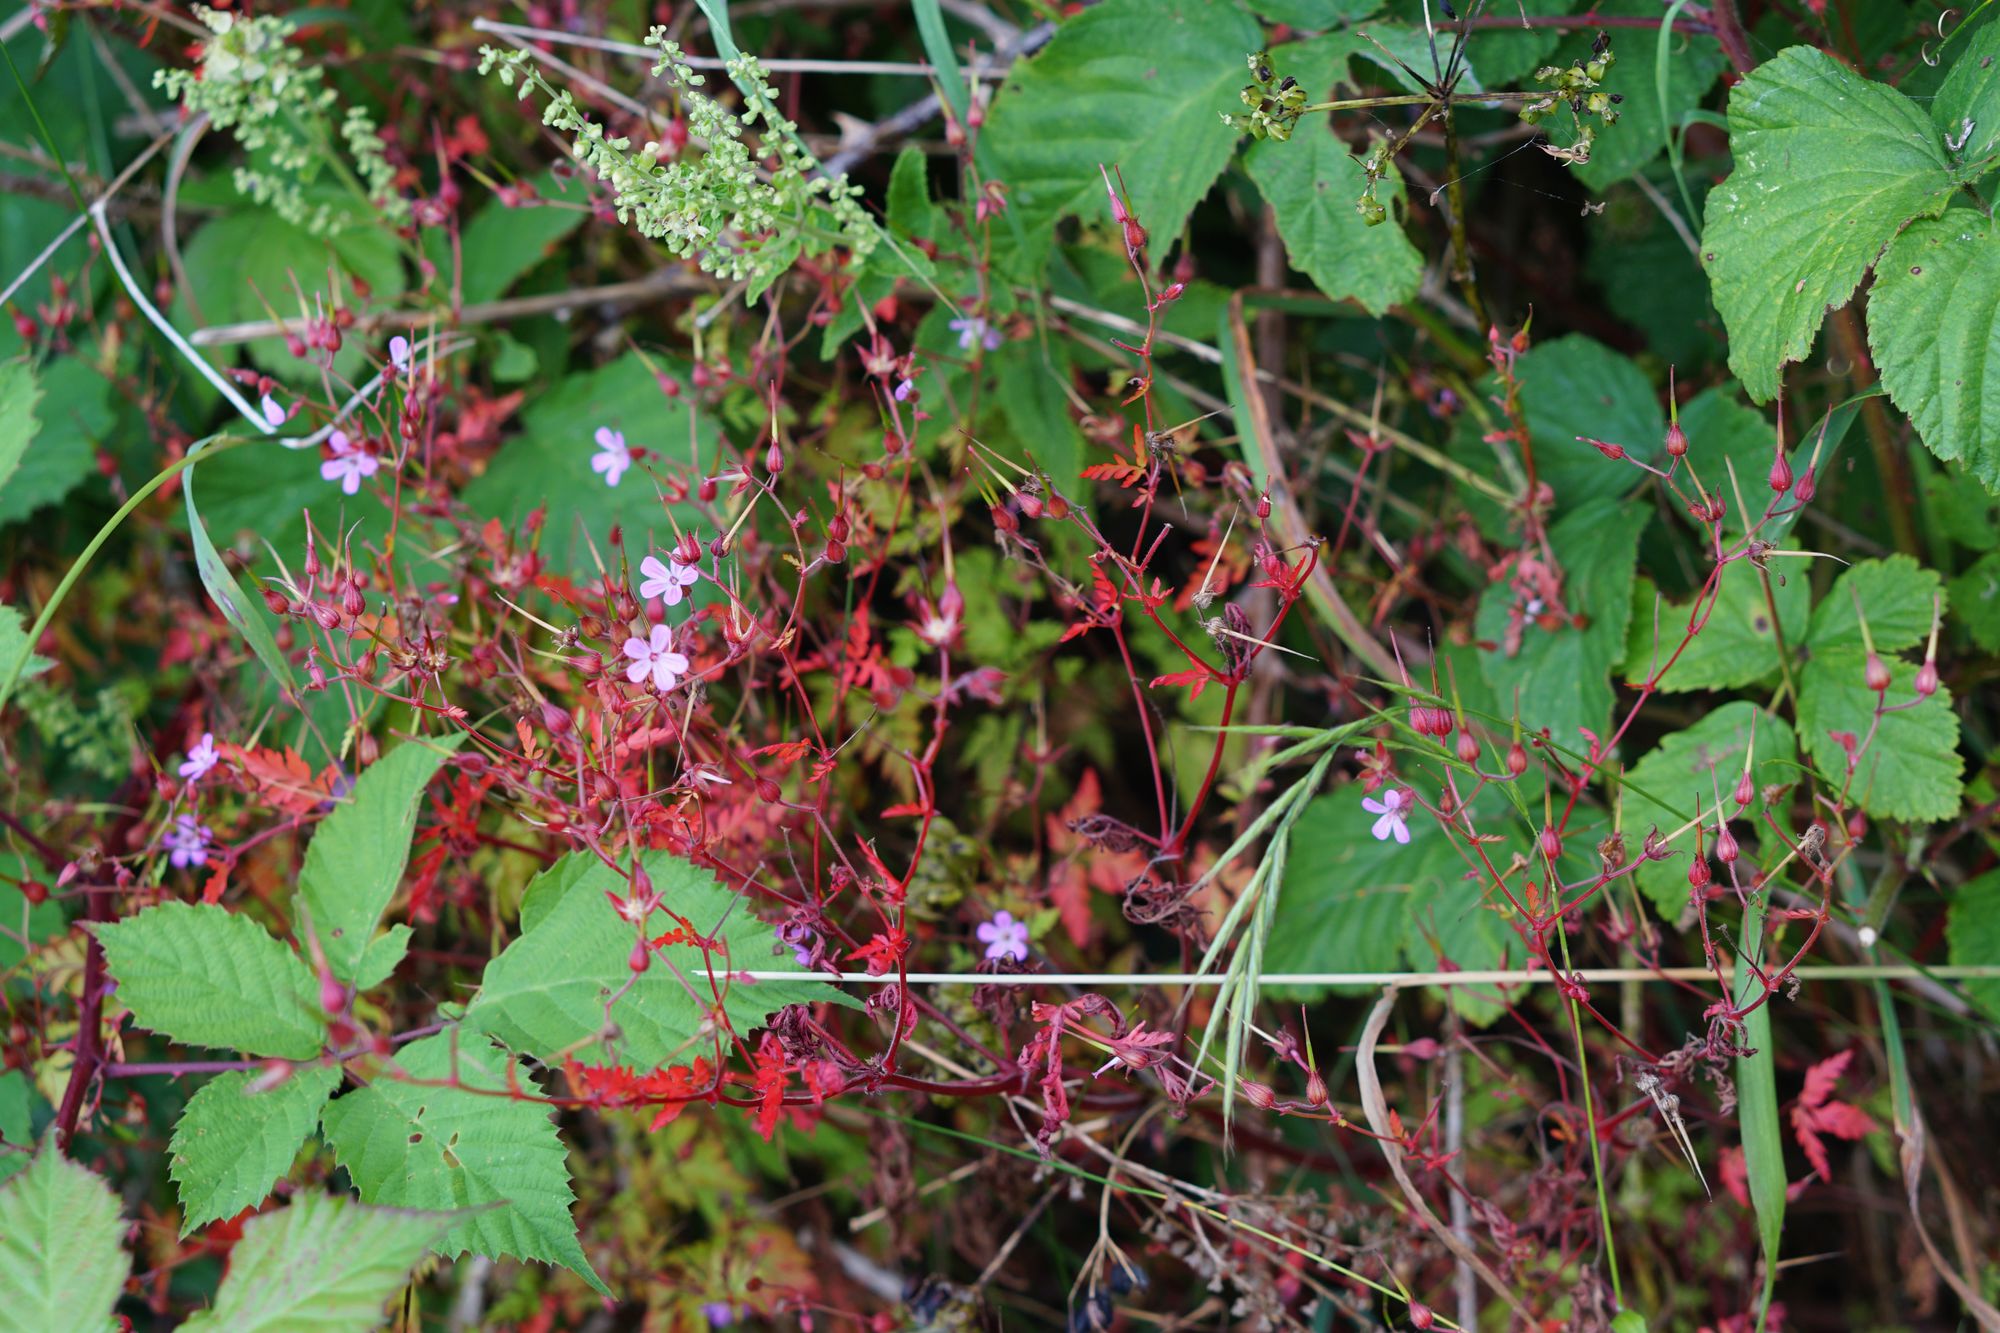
x=937, y=48
x=1757, y=1107
x=237, y=607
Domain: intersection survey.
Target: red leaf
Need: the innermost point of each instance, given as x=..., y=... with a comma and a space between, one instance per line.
x=786, y=752
x=1196, y=678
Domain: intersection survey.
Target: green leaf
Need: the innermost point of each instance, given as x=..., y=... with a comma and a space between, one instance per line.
x=243, y=613
x=1968, y=102
x=1509, y=52
x=1757, y=1101
x=1134, y=84
x=548, y=465
x=1577, y=386
x=14, y=646
x=1911, y=770
x=205, y=976
x=944, y=60
x=1029, y=394
x=1312, y=15
x=545, y=994
x=910, y=210
x=356, y=856
x=1692, y=770
x=231, y=1144
x=250, y=256
x=20, y=393
x=1828, y=166
x=1562, y=676
x=1897, y=595
x=501, y=244
x=1739, y=643
x=76, y=413
x=384, y=952
x=61, y=1264
x=1972, y=929
x=1976, y=596
x=418, y=1145
x=1312, y=183
x=1725, y=438
x=1934, y=327
x=17, y=1099
x=1639, y=136
x=322, y=1263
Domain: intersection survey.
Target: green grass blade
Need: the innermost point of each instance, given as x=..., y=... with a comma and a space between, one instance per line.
x=1757, y=1107
x=937, y=47
x=237, y=607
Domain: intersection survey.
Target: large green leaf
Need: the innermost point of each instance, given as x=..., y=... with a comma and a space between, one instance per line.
x=1934, y=326
x=1828, y=166
x=545, y=994
x=1692, y=770
x=20, y=394
x=1972, y=929
x=548, y=466
x=1898, y=596
x=61, y=1266
x=1912, y=769
x=1639, y=135
x=205, y=976
x=231, y=1143
x=323, y=1263
x=357, y=855
x=1312, y=183
x=1134, y=84
x=1738, y=644
x=416, y=1144
x=1029, y=382
x=501, y=243
x=1967, y=105
x=76, y=416
x=1562, y=676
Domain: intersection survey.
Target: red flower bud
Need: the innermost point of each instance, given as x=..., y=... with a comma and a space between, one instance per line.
x=641, y=957
x=1551, y=842
x=1698, y=873
x=1803, y=491
x=1927, y=679
x=1746, y=790
x=1517, y=759
x=332, y=995
x=1258, y=1095
x=768, y=790
x=1421, y=1316
x=1263, y=506
x=706, y=491
x=1677, y=441
x=774, y=459
x=1781, y=474
x=1315, y=1089
x=1614, y=452
x=1468, y=747
x=1876, y=673
x=1725, y=846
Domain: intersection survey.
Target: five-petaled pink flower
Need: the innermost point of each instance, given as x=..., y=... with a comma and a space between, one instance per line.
x=1394, y=807
x=655, y=657
x=612, y=457
x=666, y=581
x=186, y=842
x=201, y=758
x=349, y=464
x=1004, y=937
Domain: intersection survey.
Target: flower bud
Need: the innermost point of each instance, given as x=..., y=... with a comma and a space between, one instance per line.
x=1876, y=673
x=1421, y=1316
x=768, y=790
x=1746, y=790
x=1927, y=679
x=774, y=459
x=1031, y=505
x=1725, y=846
x=641, y=957
x=1803, y=491
x=707, y=490
x=1468, y=747
x=332, y=995
x=1551, y=842
x=276, y=601
x=1517, y=759
x=1263, y=506
x=352, y=602
x=1677, y=441
x=1315, y=1089
x=1781, y=473
x=1258, y=1095
x=835, y=552
x=1698, y=873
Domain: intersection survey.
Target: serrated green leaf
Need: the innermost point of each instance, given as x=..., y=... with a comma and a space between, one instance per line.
x=17, y=1097
x=415, y=1145
x=1912, y=769
x=1897, y=595
x=1934, y=327
x=1975, y=597
x=1311, y=15
x=357, y=854
x=20, y=394
x=205, y=976
x=1694, y=770
x=1828, y=166
x=61, y=1264
x=1312, y=183
x=1577, y=386
x=1972, y=929
x=1967, y=104
x=322, y=1263
x=75, y=414
x=1738, y=645
x=548, y=465
x=384, y=952
x=1134, y=84
x=231, y=1144
x=1562, y=676
x=545, y=994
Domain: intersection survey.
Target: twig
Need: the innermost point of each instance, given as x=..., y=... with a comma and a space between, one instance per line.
x=776, y=64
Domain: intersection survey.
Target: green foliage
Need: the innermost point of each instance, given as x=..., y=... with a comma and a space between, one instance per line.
x=501, y=243
x=1828, y=166
x=1132, y=82
x=1640, y=136
x=1975, y=596
x=356, y=856
x=1972, y=930
x=1900, y=598
x=412, y=1144
x=61, y=1263
x=1313, y=184
x=1912, y=768
x=1695, y=770
x=206, y=976
x=19, y=396
x=16, y=1126
x=14, y=647
x=76, y=413
x=233, y=1140
x=321, y=1263
x=545, y=994
x=1562, y=675
x=1738, y=644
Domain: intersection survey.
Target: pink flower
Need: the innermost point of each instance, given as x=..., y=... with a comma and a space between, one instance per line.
x=904, y=388
x=1394, y=807
x=666, y=581
x=972, y=329
x=1004, y=937
x=186, y=842
x=613, y=457
x=201, y=758
x=399, y=352
x=274, y=415
x=349, y=464
x=655, y=657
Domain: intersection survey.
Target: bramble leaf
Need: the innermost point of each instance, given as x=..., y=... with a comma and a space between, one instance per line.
x=1738, y=645
x=1934, y=327
x=1911, y=770
x=19, y=396
x=1828, y=166
x=419, y=1144
x=322, y=1262
x=231, y=1144
x=205, y=976
x=61, y=1264
x=356, y=856
x=1898, y=596
x=545, y=994
x=1312, y=182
